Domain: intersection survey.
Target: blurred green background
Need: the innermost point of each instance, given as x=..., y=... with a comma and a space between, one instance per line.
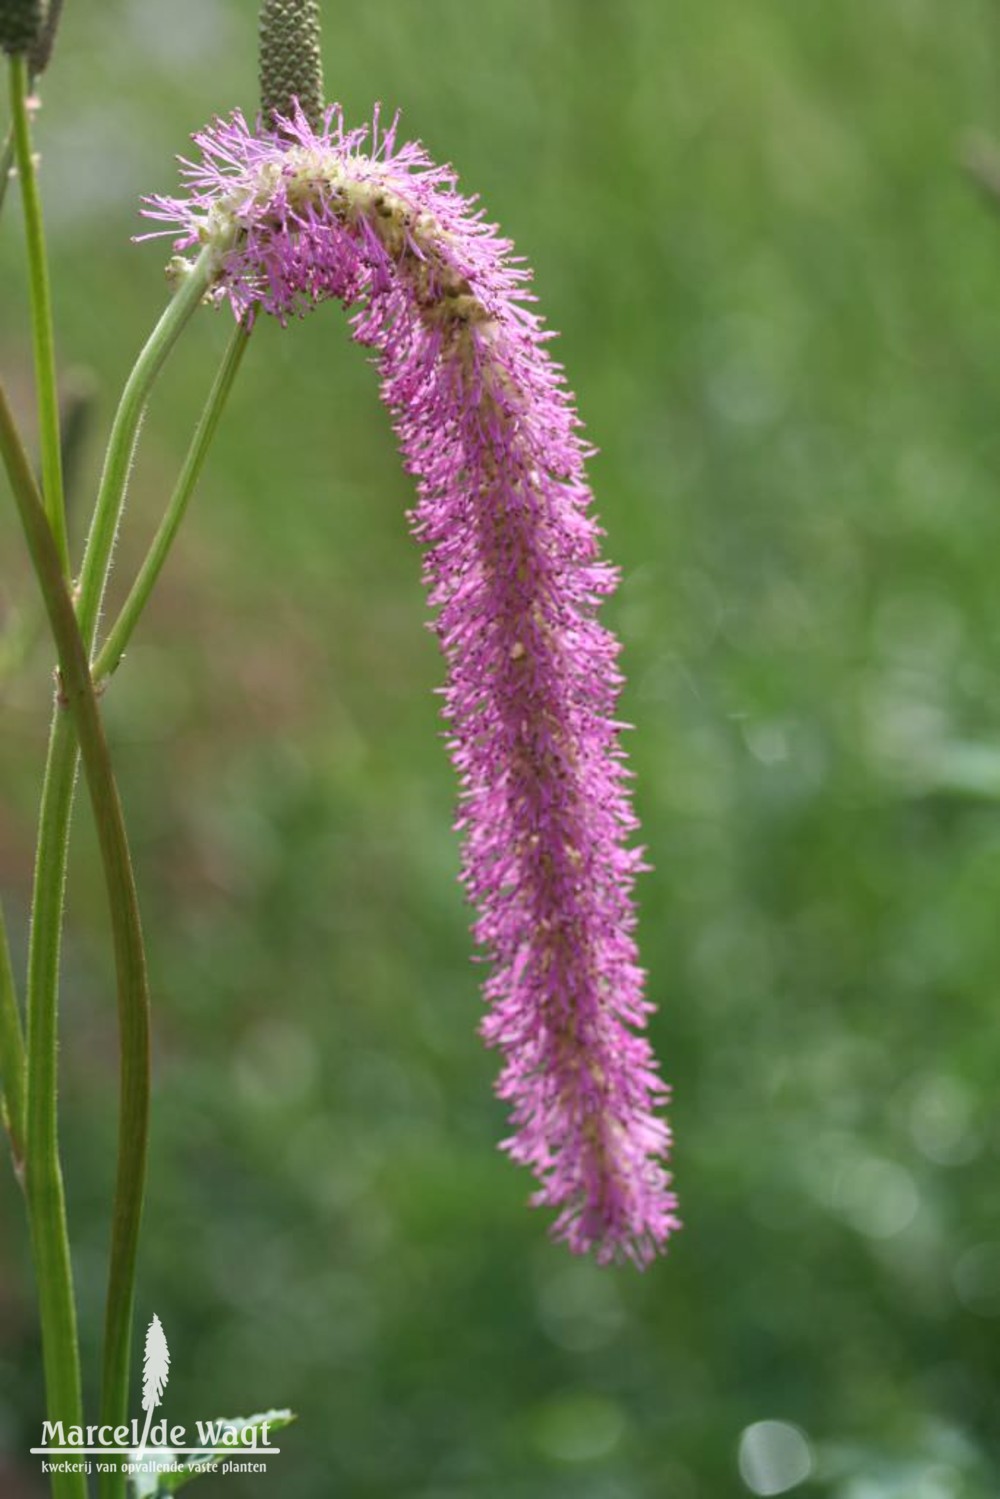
x=779, y=298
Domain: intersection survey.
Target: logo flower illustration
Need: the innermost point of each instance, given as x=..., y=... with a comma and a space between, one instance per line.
x=155, y=1372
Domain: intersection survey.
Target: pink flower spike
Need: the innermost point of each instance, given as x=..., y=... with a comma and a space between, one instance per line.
x=488, y=430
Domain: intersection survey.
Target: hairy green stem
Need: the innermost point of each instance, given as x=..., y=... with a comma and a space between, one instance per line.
x=12, y=1060
x=121, y=631
x=124, y=435
x=78, y=695
x=41, y=313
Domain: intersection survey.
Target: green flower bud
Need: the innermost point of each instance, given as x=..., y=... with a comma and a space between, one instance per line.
x=291, y=66
x=20, y=23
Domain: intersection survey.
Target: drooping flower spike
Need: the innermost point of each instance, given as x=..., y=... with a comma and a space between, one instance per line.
x=487, y=428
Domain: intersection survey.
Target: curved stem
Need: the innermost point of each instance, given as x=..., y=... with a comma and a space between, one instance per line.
x=24, y=629
x=120, y=633
x=124, y=434
x=43, y=1182
x=46, y=1205
x=77, y=693
x=41, y=313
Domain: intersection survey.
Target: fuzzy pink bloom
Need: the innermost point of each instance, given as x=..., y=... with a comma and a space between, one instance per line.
x=487, y=428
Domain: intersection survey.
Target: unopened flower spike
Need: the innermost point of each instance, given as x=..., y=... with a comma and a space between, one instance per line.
x=41, y=52
x=488, y=430
x=291, y=62
x=21, y=22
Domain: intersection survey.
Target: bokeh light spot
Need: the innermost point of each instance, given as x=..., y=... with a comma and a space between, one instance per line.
x=774, y=1456
x=578, y=1428
x=941, y=1122
x=877, y=1197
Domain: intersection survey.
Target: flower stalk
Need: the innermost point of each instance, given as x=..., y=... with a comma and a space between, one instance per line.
x=43, y=342
x=76, y=693
x=42, y=1175
x=43, y=1182
x=125, y=434
x=57, y=800
x=46, y=1204
x=118, y=636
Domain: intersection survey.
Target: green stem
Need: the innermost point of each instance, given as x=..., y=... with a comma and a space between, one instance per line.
x=124, y=435
x=134, y=1094
x=78, y=694
x=41, y=313
x=12, y=1060
x=24, y=629
x=43, y=1182
x=48, y=1211
x=6, y=163
x=121, y=631
x=132, y=1147
x=46, y=1205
